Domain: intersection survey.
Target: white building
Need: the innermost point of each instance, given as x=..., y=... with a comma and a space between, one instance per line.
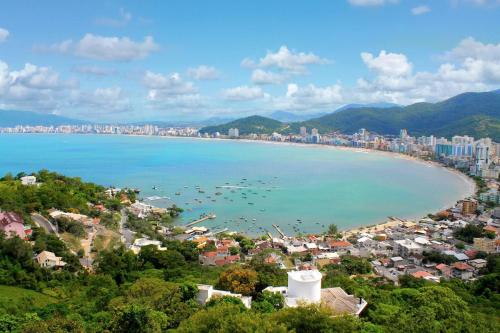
x=28, y=180
x=48, y=259
x=305, y=287
x=407, y=247
x=303, y=132
x=139, y=243
x=206, y=292
x=233, y=133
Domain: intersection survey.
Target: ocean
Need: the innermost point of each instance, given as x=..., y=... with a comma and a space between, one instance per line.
x=248, y=185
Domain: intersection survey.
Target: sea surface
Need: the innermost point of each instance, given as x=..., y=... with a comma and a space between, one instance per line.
x=248, y=185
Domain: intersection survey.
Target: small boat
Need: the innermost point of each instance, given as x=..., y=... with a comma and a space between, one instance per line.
x=154, y=187
x=177, y=193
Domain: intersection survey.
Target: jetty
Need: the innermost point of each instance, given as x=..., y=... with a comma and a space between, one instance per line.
x=210, y=216
x=279, y=231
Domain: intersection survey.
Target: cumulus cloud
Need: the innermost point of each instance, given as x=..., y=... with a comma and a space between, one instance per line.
x=172, y=84
x=94, y=70
x=101, y=100
x=285, y=59
x=123, y=19
x=4, y=34
x=309, y=97
x=32, y=87
x=260, y=76
x=419, y=10
x=368, y=3
x=243, y=93
x=203, y=72
x=104, y=48
x=471, y=66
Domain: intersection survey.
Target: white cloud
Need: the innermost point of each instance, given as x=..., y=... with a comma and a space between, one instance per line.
x=387, y=63
x=173, y=84
x=94, y=70
x=204, y=72
x=123, y=19
x=243, y=93
x=368, y=3
x=419, y=10
x=471, y=66
x=309, y=97
x=104, y=48
x=284, y=59
x=260, y=76
x=33, y=87
x=4, y=34
x=101, y=100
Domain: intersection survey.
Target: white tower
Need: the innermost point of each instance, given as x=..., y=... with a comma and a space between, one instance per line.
x=305, y=285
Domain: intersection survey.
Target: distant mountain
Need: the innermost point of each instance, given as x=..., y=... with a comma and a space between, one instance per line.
x=181, y=123
x=11, y=118
x=474, y=114
x=289, y=117
x=382, y=105
x=248, y=125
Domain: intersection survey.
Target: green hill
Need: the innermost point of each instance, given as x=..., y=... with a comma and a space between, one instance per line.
x=248, y=125
x=475, y=114
x=17, y=297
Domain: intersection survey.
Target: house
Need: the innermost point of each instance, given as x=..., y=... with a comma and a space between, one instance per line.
x=48, y=259
x=406, y=247
x=28, y=180
x=340, y=245
x=12, y=224
x=478, y=263
x=207, y=292
x=139, y=243
x=424, y=275
x=462, y=270
x=444, y=270
x=305, y=287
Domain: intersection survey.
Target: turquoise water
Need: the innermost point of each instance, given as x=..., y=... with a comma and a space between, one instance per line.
x=284, y=183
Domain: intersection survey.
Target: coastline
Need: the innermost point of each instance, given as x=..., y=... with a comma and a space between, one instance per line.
x=469, y=191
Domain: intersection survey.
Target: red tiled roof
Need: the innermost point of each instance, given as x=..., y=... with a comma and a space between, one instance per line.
x=441, y=266
x=340, y=244
x=490, y=229
x=462, y=266
x=421, y=274
x=209, y=254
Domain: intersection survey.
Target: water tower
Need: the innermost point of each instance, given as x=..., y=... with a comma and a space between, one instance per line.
x=305, y=285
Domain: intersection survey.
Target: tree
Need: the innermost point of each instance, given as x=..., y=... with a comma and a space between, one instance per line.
x=229, y=318
x=314, y=318
x=333, y=230
x=139, y=319
x=239, y=280
x=267, y=302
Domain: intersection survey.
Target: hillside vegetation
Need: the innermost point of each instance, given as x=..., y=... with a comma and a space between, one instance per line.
x=474, y=114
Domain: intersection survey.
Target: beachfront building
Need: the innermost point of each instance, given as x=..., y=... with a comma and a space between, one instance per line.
x=12, y=225
x=207, y=292
x=233, y=133
x=304, y=287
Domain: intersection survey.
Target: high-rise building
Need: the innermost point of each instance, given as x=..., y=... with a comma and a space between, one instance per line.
x=303, y=131
x=233, y=133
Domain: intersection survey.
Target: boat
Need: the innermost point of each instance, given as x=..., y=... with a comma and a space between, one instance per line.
x=177, y=193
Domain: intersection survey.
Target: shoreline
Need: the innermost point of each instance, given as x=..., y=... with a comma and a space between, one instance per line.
x=470, y=184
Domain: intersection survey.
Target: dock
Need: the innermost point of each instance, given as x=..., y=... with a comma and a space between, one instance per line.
x=210, y=216
x=279, y=231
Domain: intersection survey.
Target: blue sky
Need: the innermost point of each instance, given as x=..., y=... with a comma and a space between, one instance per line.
x=163, y=60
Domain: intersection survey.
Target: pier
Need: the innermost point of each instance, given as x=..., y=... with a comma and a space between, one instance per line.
x=279, y=231
x=210, y=216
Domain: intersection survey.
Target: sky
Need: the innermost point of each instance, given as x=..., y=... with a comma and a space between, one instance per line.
x=124, y=61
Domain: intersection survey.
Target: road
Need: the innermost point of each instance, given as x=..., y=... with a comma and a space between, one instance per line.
x=44, y=223
x=127, y=234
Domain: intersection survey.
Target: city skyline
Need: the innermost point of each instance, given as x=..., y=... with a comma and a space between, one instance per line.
x=120, y=61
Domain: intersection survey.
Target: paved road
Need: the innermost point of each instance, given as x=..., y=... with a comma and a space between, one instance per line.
x=127, y=234
x=44, y=223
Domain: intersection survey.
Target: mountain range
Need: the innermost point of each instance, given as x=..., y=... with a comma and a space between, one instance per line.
x=474, y=114
x=11, y=118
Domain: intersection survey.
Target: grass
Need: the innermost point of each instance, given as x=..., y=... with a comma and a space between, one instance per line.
x=72, y=241
x=105, y=240
x=14, y=299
